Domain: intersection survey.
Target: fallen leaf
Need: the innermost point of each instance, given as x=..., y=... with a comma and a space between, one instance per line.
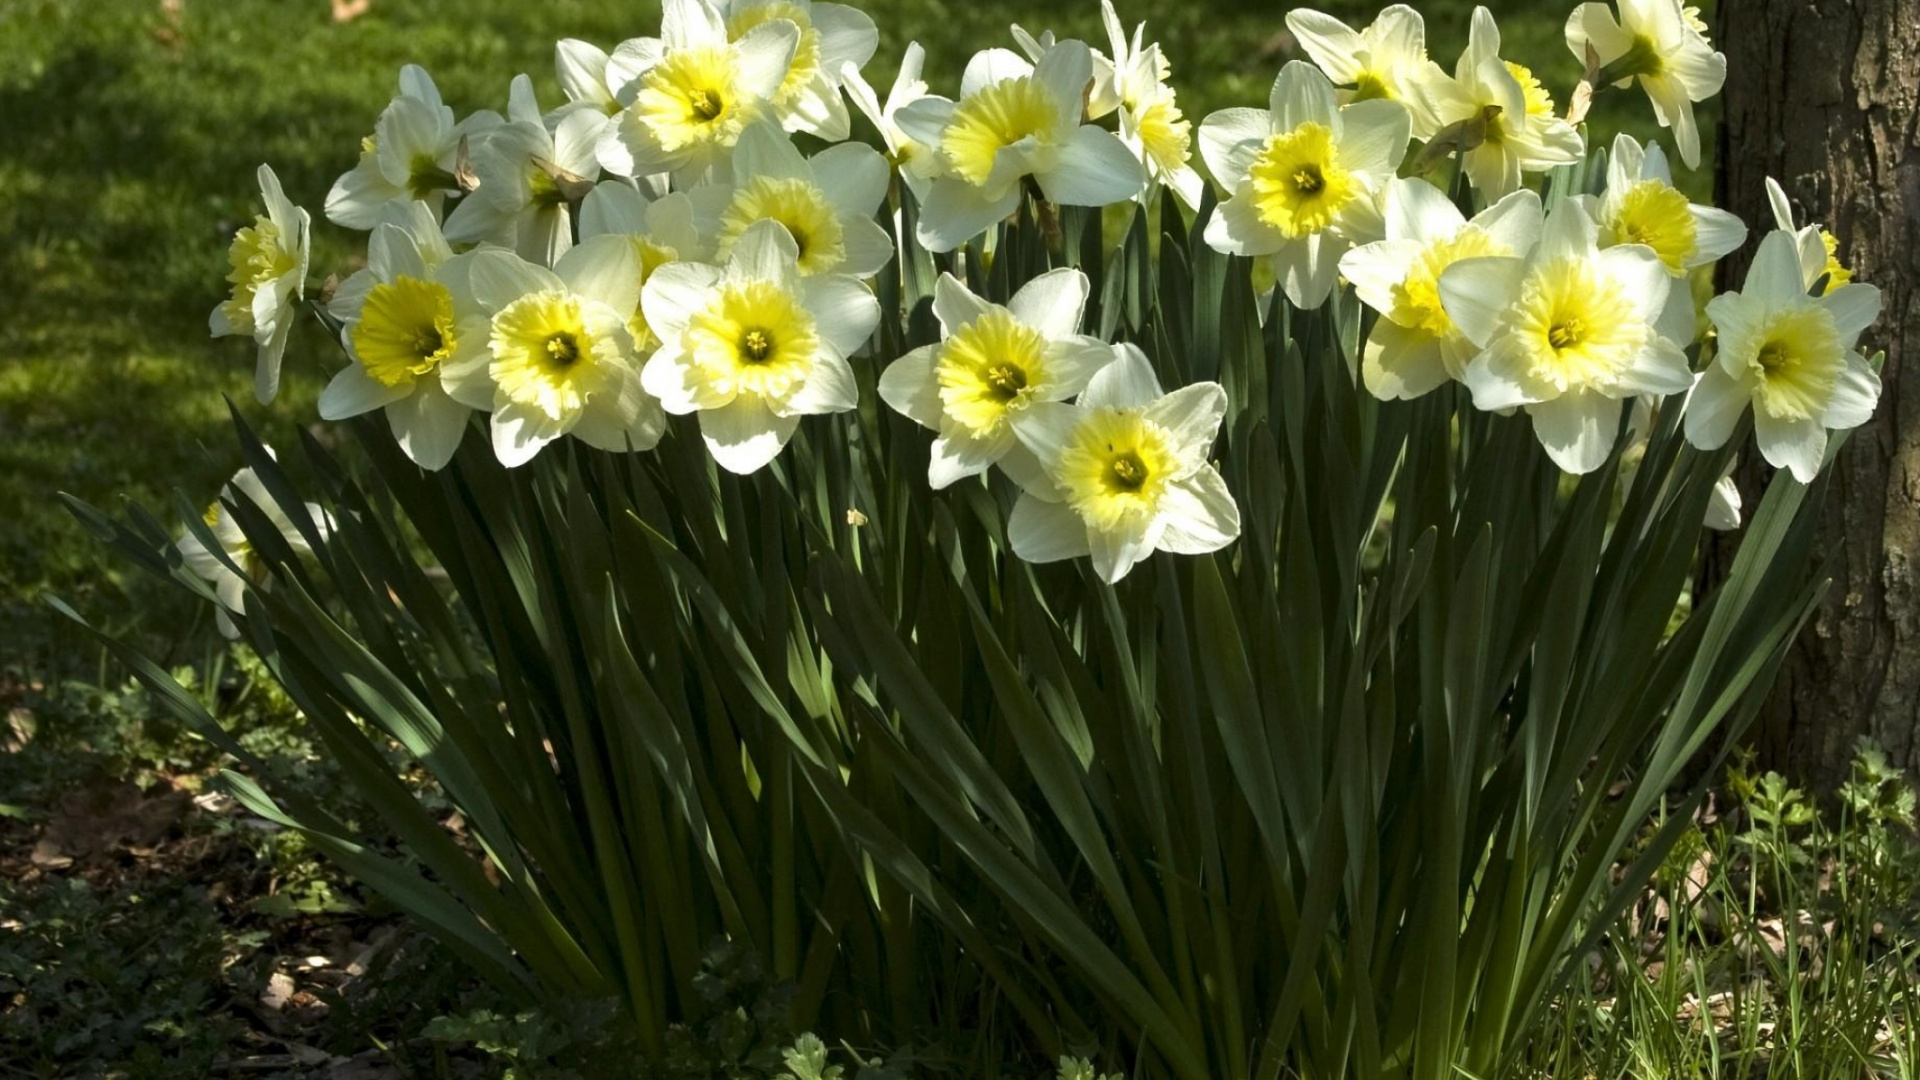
x=278, y=992
x=47, y=853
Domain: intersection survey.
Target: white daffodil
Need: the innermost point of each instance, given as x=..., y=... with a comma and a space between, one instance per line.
x=1414, y=345
x=230, y=587
x=582, y=69
x=754, y=346
x=1134, y=82
x=1015, y=120
x=1303, y=176
x=268, y=271
x=826, y=203
x=1641, y=206
x=660, y=230
x=832, y=36
x=918, y=164
x=1792, y=357
x=1386, y=60
x=1566, y=332
x=1656, y=43
x=1125, y=472
x=403, y=318
x=1819, y=249
x=991, y=365
x=412, y=154
x=1723, y=505
x=529, y=177
x=1500, y=110
x=559, y=358
x=693, y=91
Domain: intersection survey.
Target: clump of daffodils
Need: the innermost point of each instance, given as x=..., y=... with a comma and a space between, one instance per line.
x=704, y=237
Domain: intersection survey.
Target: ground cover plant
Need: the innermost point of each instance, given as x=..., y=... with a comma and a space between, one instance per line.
x=1230, y=680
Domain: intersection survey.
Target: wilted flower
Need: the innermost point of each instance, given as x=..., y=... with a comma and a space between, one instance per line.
x=1015, y=120
x=1791, y=356
x=991, y=365
x=1414, y=345
x=412, y=154
x=402, y=324
x=1566, y=332
x=826, y=203
x=268, y=271
x=229, y=586
x=1500, y=115
x=1125, y=472
x=1304, y=177
x=530, y=177
x=559, y=357
x=1654, y=42
x=755, y=346
x=697, y=90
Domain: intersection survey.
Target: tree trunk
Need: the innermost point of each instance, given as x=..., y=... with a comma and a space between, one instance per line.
x=1824, y=96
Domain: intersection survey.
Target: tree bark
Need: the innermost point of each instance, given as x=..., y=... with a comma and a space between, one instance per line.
x=1824, y=96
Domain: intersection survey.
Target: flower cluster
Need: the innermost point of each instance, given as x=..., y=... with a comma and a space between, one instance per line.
x=694, y=232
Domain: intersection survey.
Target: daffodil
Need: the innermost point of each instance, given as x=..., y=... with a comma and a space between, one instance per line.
x=1414, y=345
x=918, y=164
x=1015, y=120
x=1304, y=178
x=1567, y=332
x=583, y=71
x=660, y=230
x=1499, y=111
x=559, y=358
x=696, y=89
x=1388, y=59
x=529, y=178
x=1641, y=206
x=1819, y=249
x=412, y=155
x=268, y=271
x=754, y=346
x=1791, y=356
x=405, y=317
x=832, y=37
x=991, y=365
x=826, y=203
x=236, y=566
x=1655, y=43
x=1124, y=472
x=1134, y=82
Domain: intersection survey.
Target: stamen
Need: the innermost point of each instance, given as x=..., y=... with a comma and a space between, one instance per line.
x=756, y=346
x=563, y=350
x=1566, y=334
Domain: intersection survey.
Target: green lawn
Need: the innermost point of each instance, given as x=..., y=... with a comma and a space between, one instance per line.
x=131, y=141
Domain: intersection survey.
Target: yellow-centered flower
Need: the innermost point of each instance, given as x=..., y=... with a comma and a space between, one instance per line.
x=1298, y=184
x=754, y=338
x=988, y=370
x=995, y=118
x=806, y=212
x=805, y=66
x=544, y=357
x=688, y=100
x=405, y=330
x=1116, y=469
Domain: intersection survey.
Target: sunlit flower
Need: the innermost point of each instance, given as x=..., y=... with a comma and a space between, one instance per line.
x=1134, y=82
x=832, y=36
x=1414, y=345
x=1304, y=178
x=661, y=231
x=402, y=320
x=411, y=155
x=248, y=568
x=582, y=69
x=918, y=164
x=992, y=364
x=1656, y=43
x=1015, y=120
x=525, y=172
x=1386, y=60
x=1641, y=206
x=1819, y=249
x=268, y=271
x=1566, y=332
x=697, y=91
x=755, y=346
x=1791, y=356
x=1124, y=472
x=1499, y=110
x=559, y=358
x=826, y=203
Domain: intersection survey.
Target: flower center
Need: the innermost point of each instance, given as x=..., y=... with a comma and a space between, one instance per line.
x=756, y=346
x=256, y=257
x=1298, y=184
x=988, y=370
x=994, y=118
x=1539, y=102
x=1115, y=469
x=1126, y=472
x=797, y=205
x=687, y=99
x=405, y=330
x=543, y=354
x=1370, y=85
x=1166, y=134
x=1575, y=327
x=1655, y=214
x=1798, y=362
x=754, y=339
x=1566, y=335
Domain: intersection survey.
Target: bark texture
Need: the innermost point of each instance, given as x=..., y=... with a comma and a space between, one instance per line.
x=1824, y=96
